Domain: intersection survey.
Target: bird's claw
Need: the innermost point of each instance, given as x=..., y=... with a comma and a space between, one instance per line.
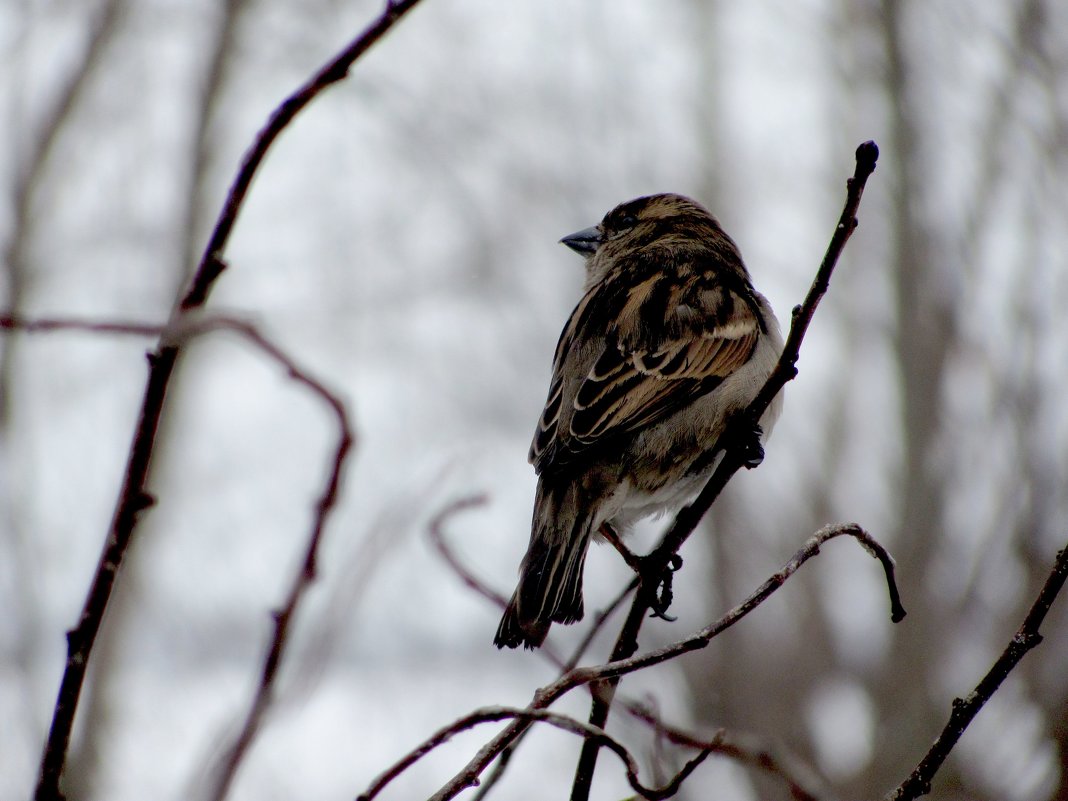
x=664, y=595
x=749, y=442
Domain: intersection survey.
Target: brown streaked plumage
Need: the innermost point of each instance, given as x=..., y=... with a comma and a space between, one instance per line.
x=668, y=341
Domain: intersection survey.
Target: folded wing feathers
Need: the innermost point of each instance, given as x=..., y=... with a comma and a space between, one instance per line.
x=623, y=386
x=629, y=387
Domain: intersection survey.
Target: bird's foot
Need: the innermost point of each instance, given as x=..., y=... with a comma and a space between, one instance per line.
x=748, y=440
x=661, y=578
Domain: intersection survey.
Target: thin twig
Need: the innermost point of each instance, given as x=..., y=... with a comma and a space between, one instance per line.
x=721, y=744
x=441, y=544
x=546, y=696
x=222, y=52
x=687, y=519
x=701, y=638
x=326, y=503
x=599, y=623
x=211, y=263
x=528, y=716
x=305, y=575
x=436, y=532
x=437, y=537
x=742, y=749
x=42, y=325
x=134, y=497
x=504, y=760
x=323, y=508
x=965, y=709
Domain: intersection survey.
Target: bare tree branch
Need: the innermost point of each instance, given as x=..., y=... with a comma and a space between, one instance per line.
x=134, y=497
x=656, y=563
x=437, y=537
x=965, y=709
x=701, y=638
x=528, y=716
x=547, y=651
x=306, y=574
x=746, y=750
x=221, y=50
x=323, y=507
x=43, y=325
x=546, y=696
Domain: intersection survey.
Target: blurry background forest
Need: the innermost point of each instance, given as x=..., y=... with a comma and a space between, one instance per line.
x=401, y=244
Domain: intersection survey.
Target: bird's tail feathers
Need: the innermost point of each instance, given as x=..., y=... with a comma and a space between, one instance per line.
x=550, y=581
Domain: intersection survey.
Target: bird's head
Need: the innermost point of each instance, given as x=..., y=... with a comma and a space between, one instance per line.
x=665, y=221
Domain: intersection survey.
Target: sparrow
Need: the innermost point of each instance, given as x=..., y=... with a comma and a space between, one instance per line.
x=669, y=340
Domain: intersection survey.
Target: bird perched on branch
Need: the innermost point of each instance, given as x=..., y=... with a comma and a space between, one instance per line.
x=668, y=342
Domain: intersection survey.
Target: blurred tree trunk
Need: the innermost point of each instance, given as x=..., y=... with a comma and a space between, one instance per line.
x=929, y=265
x=31, y=170
x=33, y=167
x=738, y=683
x=1041, y=44
x=924, y=339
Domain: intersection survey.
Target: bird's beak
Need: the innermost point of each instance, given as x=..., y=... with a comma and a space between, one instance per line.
x=585, y=241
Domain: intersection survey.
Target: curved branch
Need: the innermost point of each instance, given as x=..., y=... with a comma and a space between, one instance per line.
x=323, y=508
x=437, y=537
x=701, y=638
x=306, y=573
x=578, y=677
x=528, y=716
x=746, y=750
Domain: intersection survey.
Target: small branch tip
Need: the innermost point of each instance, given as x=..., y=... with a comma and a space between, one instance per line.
x=867, y=156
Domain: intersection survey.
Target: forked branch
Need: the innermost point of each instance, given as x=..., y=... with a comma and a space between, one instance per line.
x=578, y=677
x=493, y=714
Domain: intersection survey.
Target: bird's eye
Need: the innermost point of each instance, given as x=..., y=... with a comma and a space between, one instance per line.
x=620, y=225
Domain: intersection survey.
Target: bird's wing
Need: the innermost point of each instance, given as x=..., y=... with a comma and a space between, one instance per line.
x=654, y=347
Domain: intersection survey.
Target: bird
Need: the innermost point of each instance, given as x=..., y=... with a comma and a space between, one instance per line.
x=668, y=342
